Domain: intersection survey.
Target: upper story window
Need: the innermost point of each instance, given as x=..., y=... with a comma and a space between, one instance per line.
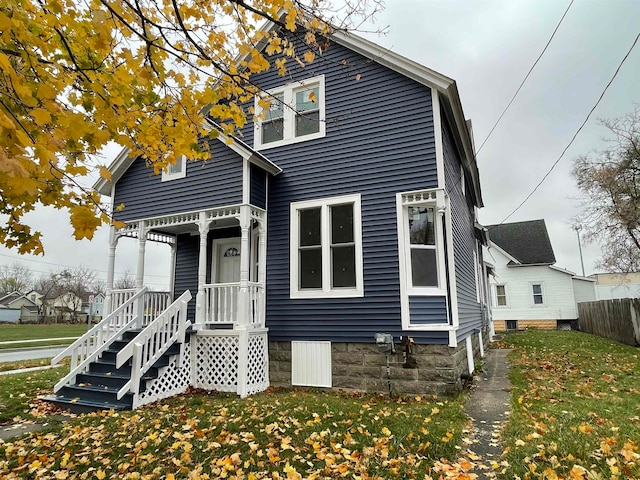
x=538, y=296
x=296, y=113
x=421, y=242
x=175, y=170
x=326, y=248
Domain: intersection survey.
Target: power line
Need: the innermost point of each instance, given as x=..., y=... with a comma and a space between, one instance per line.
x=525, y=78
x=577, y=132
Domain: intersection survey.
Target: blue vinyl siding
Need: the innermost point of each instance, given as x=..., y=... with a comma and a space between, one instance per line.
x=258, y=184
x=428, y=310
x=464, y=241
x=217, y=182
x=379, y=141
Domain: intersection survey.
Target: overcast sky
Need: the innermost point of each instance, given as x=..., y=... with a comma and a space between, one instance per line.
x=487, y=46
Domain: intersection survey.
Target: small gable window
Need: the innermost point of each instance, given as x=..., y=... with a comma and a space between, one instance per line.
x=296, y=113
x=175, y=170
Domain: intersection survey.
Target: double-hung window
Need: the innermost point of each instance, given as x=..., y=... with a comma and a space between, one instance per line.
x=326, y=248
x=175, y=170
x=293, y=113
x=421, y=242
x=538, y=296
x=501, y=296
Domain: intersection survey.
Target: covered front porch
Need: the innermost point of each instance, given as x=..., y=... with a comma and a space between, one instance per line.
x=222, y=257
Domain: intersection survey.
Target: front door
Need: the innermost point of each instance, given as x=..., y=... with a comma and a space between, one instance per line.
x=227, y=260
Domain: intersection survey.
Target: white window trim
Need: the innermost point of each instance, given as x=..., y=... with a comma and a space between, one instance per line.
x=506, y=296
x=325, y=233
x=166, y=176
x=289, y=113
x=543, y=293
x=437, y=198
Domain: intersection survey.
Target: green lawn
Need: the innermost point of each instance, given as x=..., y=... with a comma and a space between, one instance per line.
x=32, y=332
x=576, y=407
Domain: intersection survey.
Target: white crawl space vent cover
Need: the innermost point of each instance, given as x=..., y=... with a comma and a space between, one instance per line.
x=311, y=364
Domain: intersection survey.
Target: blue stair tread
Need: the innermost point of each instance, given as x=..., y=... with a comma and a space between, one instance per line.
x=80, y=402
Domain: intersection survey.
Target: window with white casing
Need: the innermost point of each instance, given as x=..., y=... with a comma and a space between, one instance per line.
x=421, y=241
x=326, y=248
x=538, y=294
x=501, y=295
x=293, y=113
x=175, y=170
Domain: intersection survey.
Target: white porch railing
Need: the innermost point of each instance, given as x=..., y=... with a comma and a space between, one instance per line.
x=222, y=303
x=150, y=344
x=154, y=303
x=87, y=348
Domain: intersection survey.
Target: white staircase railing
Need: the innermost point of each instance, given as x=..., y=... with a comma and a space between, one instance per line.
x=150, y=344
x=90, y=345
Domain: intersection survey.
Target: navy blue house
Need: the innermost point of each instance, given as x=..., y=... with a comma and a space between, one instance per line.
x=348, y=211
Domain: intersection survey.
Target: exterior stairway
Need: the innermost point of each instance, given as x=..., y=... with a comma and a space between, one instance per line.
x=97, y=389
x=129, y=352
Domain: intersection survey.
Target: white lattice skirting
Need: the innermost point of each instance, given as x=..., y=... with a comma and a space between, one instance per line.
x=231, y=361
x=172, y=379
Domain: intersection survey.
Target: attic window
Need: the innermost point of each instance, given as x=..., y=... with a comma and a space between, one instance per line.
x=175, y=170
x=296, y=113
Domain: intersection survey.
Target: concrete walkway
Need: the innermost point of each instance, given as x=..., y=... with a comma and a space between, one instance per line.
x=488, y=408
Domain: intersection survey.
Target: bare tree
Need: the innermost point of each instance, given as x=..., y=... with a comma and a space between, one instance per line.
x=15, y=278
x=125, y=281
x=610, y=185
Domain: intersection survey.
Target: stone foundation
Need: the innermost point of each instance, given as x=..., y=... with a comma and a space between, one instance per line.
x=543, y=324
x=360, y=367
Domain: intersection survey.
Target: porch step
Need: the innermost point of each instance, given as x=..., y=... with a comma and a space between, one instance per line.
x=97, y=388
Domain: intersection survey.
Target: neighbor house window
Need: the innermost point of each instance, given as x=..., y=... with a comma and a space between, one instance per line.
x=511, y=324
x=175, y=170
x=326, y=248
x=501, y=295
x=421, y=241
x=538, y=298
x=293, y=113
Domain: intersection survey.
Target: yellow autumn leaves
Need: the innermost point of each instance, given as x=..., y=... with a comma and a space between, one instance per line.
x=77, y=75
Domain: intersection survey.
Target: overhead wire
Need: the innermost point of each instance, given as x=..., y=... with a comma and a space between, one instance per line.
x=624, y=59
x=525, y=78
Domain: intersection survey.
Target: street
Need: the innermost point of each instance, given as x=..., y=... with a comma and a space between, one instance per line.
x=18, y=354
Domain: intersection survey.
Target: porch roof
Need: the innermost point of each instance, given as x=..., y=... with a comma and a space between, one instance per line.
x=123, y=160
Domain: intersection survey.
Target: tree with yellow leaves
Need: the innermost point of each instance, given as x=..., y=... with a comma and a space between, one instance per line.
x=75, y=76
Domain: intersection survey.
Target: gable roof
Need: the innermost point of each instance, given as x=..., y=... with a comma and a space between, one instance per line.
x=527, y=242
x=123, y=160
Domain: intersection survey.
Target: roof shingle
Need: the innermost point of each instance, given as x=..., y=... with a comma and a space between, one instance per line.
x=528, y=242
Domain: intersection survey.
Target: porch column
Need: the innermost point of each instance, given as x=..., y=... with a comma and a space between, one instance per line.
x=142, y=241
x=113, y=243
x=172, y=267
x=203, y=227
x=262, y=269
x=245, y=254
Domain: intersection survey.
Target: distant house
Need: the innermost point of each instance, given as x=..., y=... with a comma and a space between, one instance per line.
x=93, y=306
x=529, y=291
x=26, y=309
x=617, y=285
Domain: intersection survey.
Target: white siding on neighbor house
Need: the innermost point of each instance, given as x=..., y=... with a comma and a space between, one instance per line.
x=583, y=290
x=620, y=290
x=557, y=289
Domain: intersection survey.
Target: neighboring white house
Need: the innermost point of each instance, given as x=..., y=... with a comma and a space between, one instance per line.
x=16, y=301
x=528, y=290
x=617, y=285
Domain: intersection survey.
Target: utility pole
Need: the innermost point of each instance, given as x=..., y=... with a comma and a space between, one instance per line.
x=577, y=228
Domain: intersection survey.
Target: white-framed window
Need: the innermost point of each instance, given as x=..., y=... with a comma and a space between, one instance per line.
x=538, y=293
x=293, y=113
x=326, y=248
x=501, y=295
x=511, y=324
x=421, y=242
x=176, y=170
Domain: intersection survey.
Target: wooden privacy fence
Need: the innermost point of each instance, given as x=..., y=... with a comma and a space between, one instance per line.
x=618, y=319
